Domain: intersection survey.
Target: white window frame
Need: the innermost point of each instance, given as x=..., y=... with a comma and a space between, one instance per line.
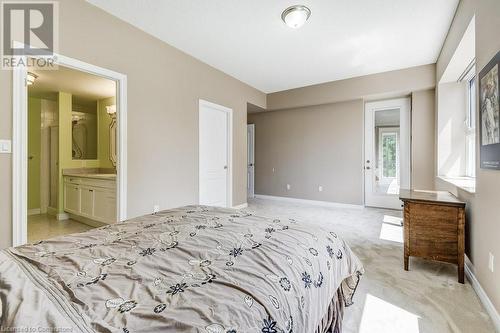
x=470, y=122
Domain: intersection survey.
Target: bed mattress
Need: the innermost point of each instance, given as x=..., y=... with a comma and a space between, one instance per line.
x=191, y=269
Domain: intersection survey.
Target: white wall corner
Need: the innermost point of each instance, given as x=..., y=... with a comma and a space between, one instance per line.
x=490, y=308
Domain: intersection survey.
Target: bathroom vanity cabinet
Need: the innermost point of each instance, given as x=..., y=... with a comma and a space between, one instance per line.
x=91, y=196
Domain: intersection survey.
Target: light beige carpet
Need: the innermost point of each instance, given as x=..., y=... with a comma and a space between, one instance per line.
x=426, y=299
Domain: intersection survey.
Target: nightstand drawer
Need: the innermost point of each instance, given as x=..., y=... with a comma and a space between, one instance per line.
x=434, y=217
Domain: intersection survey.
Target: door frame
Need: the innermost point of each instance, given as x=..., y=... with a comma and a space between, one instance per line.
x=20, y=139
x=252, y=128
x=381, y=105
x=229, y=175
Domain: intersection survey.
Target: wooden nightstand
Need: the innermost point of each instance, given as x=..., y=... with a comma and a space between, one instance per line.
x=434, y=227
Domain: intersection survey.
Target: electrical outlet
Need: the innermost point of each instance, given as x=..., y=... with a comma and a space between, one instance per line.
x=320, y=188
x=491, y=262
x=156, y=209
x=288, y=187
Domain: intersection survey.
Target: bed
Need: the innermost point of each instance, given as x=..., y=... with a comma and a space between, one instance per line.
x=190, y=269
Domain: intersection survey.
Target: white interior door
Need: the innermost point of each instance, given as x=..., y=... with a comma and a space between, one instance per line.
x=214, y=155
x=251, y=160
x=387, y=152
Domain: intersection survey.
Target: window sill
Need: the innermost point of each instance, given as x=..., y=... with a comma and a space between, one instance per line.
x=468, y=184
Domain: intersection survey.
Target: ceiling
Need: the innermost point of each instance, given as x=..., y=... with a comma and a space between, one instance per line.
x=85, y=88
x=342, y=39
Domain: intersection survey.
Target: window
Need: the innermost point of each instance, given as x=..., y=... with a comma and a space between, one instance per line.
x=456, y=116
x=389, y=155
x=470, y=128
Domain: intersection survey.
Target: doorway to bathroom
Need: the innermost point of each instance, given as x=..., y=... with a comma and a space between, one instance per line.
x=70, y=135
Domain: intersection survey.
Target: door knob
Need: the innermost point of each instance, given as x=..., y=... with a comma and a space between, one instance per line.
x=225, y=167
x=367, y=168
x=251, y=164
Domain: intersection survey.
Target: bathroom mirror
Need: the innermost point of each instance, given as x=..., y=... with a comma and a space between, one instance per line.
x=84, y=130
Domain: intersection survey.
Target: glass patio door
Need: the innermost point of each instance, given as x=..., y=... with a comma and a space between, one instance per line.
x=387, y=152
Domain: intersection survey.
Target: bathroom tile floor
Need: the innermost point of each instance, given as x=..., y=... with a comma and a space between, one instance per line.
x=46, y=226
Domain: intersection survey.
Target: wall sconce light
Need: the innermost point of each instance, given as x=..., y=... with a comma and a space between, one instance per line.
x=30, y=78
x=111, y=109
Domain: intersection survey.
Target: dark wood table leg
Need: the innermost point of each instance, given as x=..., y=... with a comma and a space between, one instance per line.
x=461, y=271
x=406, y=230
x=461, y=244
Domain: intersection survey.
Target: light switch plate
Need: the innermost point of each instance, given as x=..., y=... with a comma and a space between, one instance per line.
x=5, y=146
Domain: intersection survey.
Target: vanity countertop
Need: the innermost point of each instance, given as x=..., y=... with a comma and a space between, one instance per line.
x=106, y=176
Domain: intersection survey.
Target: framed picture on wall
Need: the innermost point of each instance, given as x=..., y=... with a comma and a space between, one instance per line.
x=489, y=114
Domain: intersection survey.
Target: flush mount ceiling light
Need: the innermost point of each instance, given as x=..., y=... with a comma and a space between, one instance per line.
x=30, y=78
x=295, y=16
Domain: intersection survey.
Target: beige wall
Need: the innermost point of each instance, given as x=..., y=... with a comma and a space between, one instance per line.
x=376, y=86
x=5, y=160
x=309, y=147
x=323, y=145
x=451, y=152
x=483, y=223
x=423, y=128
x=164, y=85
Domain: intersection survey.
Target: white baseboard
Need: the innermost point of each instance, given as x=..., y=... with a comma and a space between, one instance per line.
x=62, y=216
x=244, y=205
x=84, y=220
x=34, y=211
x=490, y=308
x=309, y=202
